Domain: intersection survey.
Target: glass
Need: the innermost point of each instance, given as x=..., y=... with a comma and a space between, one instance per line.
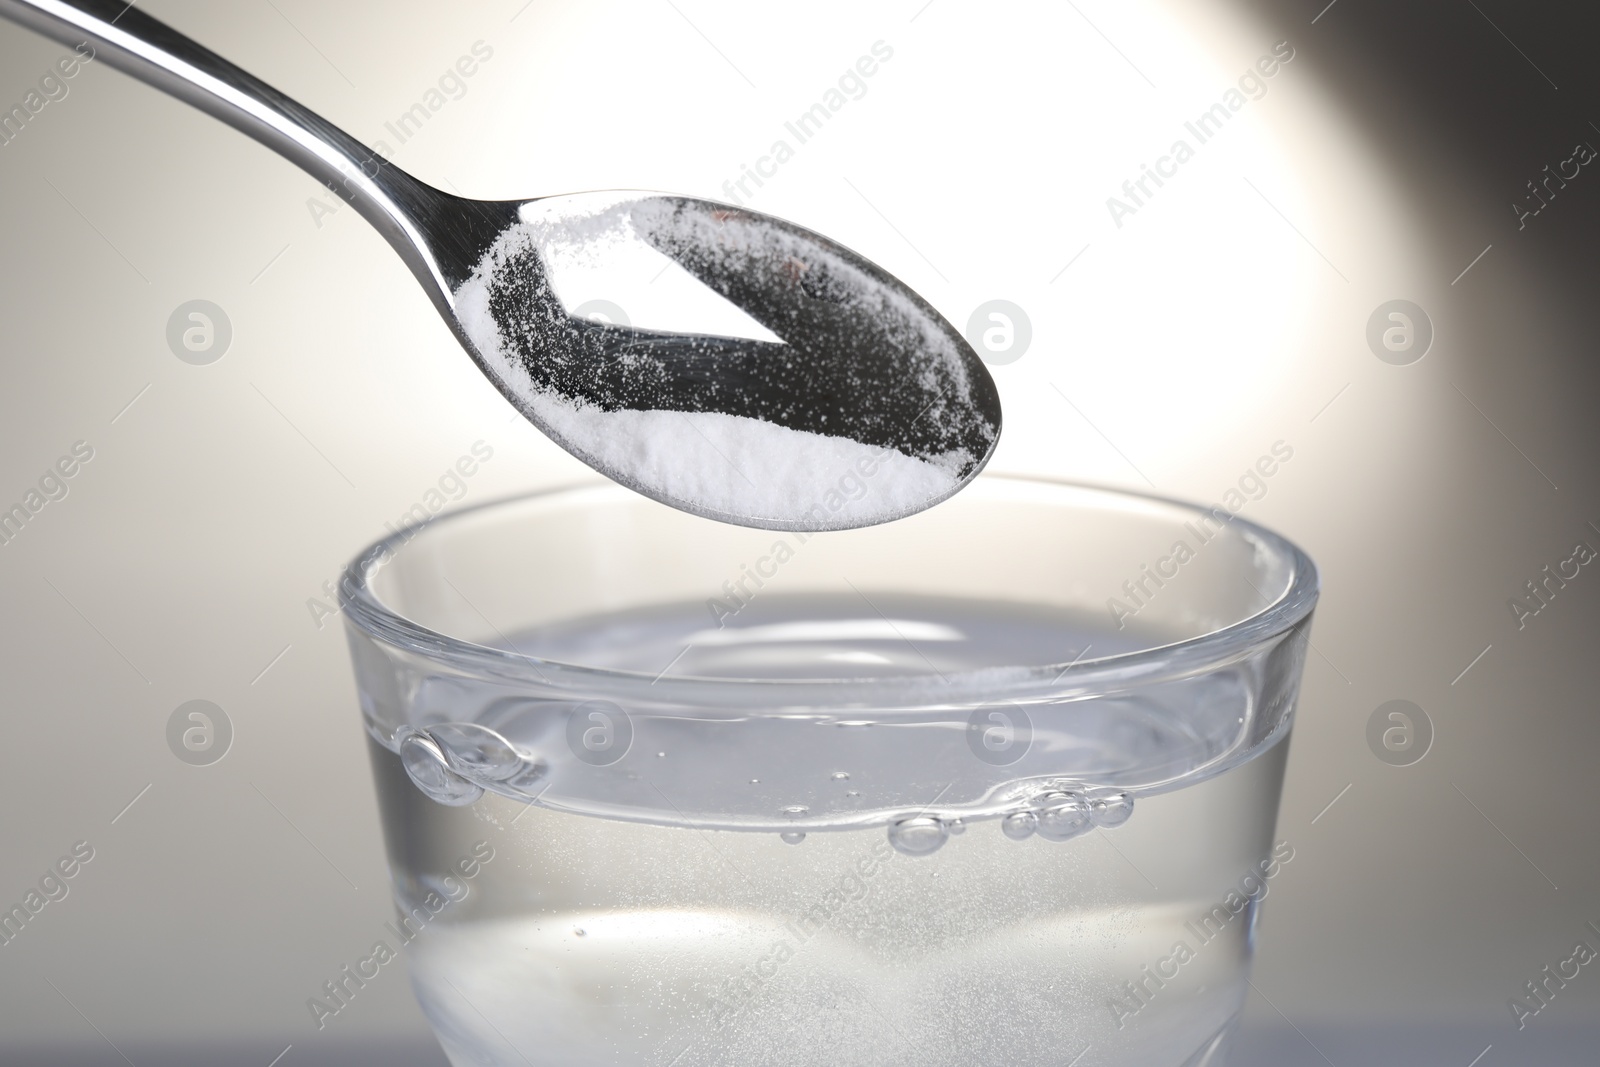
x=992, y=785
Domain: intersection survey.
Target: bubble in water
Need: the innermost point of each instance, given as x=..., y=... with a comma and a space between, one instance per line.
x=1062, y=816
x=431, y=773
x=854, y=793
x=795, y=811
x=920, y=835
x=755, y=781
x=474, y=750
x=579, y=932
x=480, y=754
x=1110, y=807
x=840, y=776
x=1019, y=825
x=955, y=827
x=792, y=837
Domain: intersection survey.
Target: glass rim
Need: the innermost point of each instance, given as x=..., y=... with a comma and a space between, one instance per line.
x=1159, y=663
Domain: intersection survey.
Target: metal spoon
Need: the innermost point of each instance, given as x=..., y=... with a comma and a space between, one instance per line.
x=785, y=382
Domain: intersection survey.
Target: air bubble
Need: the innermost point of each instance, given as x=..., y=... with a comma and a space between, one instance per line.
x=840, y=776
x=1110, y=807
x=955, y=827
x=579, y=932
x=796, y=811
x=475, y=751
x=920, y=835
x=792, y=837
x=481, y=755
x=1062, y=816
x=1019, y=825
x=426, y=764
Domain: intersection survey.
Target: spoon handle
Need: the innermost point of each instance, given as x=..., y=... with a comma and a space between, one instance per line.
x=165, y=59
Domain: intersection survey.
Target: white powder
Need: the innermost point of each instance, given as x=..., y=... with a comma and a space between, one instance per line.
x=730, y=467
x=748, y=470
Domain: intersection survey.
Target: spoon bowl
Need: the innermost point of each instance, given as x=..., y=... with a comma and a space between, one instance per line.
x=747, y=369
x=765, y=375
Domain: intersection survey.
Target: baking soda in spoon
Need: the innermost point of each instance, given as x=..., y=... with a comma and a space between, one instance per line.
x=723, y=409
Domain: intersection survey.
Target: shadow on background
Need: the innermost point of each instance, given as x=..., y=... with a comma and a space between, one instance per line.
x=1402, y=1045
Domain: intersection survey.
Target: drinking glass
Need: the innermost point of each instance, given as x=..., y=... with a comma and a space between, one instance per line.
x=992, y=785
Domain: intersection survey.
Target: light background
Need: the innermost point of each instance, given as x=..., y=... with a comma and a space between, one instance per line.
x=1227, y=314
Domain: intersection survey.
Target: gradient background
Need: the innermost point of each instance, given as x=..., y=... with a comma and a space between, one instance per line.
x=1230, y=312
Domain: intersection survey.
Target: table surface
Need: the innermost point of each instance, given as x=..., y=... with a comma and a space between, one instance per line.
x=1258, y=1045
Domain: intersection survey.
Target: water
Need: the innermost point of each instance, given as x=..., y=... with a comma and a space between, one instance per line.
x=875, y=894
